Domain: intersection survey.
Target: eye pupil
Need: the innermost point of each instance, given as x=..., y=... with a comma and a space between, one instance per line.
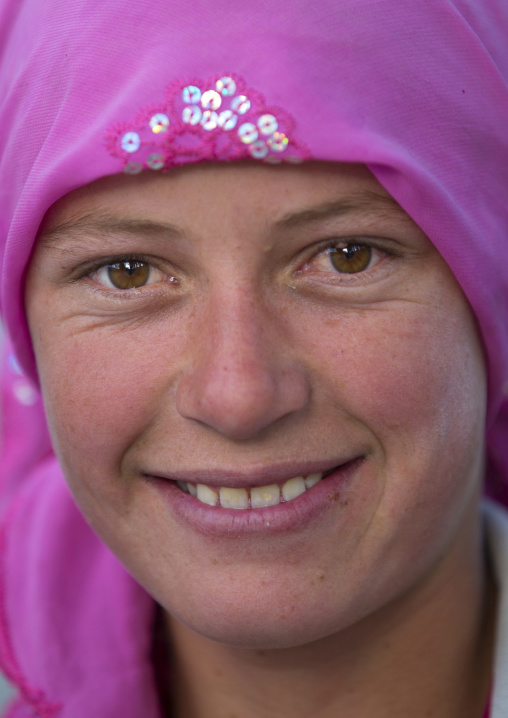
x=129, y=275
x=131, y=268
x=351, y=259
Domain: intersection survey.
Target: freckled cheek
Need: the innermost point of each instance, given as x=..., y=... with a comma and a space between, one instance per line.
x=100, y=395
x=402, y=373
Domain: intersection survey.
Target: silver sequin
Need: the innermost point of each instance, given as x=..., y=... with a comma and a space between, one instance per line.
x=227, y=120
x=240, y=104
x=267, y=124
x=278, y=142
x=258, y=150
x=191, y=115
x=210, y=120
x=133, y=168
x=226, y=86
x=131, y=142
x=211, y=100
x=247, y=133
x=155, y=161
x=191, y=94
x=159, y=123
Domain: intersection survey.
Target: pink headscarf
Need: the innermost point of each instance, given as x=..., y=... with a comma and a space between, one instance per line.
x=417, y=91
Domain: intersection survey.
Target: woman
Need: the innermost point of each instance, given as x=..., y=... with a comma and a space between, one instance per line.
x=253, y=264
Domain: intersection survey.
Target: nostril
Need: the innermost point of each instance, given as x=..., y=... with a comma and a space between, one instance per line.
x=241, y=400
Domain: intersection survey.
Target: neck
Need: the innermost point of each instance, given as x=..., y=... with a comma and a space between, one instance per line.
x=428, y=653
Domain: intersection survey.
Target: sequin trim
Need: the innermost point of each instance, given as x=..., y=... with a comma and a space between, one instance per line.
x=218, y=119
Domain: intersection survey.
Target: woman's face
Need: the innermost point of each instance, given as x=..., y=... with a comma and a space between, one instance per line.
x=238, y=327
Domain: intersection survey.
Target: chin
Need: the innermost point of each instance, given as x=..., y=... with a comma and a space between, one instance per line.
x=248, y=636
x=262, y=627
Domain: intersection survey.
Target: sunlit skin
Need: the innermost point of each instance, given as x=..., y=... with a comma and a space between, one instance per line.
x=248, y=347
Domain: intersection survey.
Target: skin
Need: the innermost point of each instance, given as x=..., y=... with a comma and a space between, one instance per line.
x=257, y=354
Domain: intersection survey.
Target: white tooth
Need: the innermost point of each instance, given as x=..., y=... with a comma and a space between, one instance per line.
x=313, y=479
x=207, y=495
x=234, y=498
x=261, y=496
x=191, y=488
x=183, y=486
x=293, y=488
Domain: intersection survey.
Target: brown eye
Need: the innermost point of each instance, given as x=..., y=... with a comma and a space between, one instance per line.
x=351, y=259
x=128, y=274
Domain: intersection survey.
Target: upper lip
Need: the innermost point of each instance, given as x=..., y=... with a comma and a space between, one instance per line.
x=246, y=478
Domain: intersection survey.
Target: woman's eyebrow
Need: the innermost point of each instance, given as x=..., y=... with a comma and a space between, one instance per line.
x=102, y=225
x=371, y=204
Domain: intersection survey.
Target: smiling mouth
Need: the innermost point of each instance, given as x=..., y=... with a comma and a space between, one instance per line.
x=256, y=497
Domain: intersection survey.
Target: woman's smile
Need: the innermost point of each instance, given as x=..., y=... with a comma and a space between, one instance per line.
x=242, y=508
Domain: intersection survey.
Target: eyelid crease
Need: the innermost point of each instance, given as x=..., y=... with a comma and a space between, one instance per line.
x=342, y=243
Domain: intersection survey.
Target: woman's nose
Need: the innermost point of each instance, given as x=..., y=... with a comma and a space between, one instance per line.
x=241, y=376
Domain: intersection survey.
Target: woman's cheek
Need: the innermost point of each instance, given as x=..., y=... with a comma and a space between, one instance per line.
x=101, y=391
x=413, y=377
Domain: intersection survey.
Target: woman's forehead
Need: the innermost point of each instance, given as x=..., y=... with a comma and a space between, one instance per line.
x=285, y=196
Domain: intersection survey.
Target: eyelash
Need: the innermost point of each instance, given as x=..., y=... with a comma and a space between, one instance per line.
x=323, y=251
x=335, y=246
x=93, y=267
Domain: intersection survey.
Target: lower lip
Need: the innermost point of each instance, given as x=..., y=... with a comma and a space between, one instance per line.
x=286, y=516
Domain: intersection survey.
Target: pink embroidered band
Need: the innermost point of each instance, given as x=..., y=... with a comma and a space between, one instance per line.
x=218, y=119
